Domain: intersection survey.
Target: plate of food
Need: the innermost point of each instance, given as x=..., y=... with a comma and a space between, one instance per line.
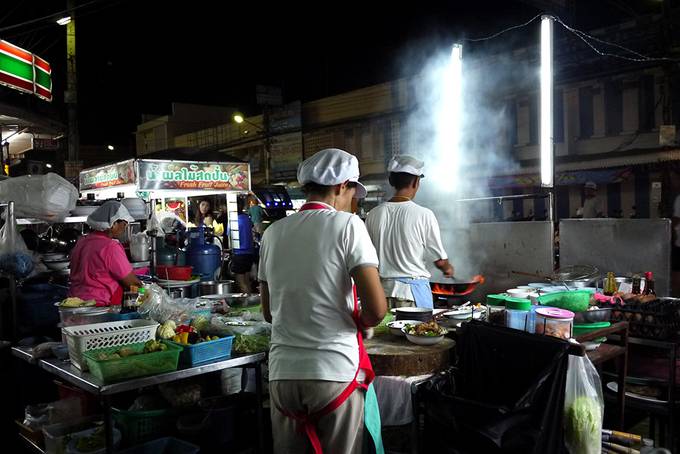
x=396, y=326
x=429, y=333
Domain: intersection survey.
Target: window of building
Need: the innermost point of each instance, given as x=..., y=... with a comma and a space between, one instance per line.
x=585, y=110
x=613, y=107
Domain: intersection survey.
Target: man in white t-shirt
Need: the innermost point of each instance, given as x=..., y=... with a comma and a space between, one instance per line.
x=406, y=236
x=308, y=263
x=592, y=204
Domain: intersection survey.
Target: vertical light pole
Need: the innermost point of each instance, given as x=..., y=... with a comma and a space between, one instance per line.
x=547, y=149
x=71, y=95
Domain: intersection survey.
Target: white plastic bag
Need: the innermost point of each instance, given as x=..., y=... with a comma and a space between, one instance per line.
x=583, y=407
x=15, y=259
x=47, y=197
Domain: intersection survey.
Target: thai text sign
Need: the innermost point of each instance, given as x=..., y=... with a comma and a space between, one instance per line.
x=169, y=175
x=116, y=174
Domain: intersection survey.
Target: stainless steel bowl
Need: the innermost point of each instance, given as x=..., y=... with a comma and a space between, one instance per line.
x=216, y=287
x=242, y=299
x=595, y=316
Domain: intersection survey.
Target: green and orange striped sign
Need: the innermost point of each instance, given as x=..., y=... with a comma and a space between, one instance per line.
x=24, y=71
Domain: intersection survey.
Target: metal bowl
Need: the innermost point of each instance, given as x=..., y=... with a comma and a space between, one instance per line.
x=57, y=265
x=241, y=299
x=594, y=316
x=216, y=288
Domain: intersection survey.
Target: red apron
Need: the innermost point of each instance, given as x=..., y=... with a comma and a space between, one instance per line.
x=308, y=421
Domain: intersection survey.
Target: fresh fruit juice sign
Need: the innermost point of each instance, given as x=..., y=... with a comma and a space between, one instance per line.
x=169, y=175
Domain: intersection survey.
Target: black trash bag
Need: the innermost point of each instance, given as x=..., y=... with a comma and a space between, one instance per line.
x=506, y=394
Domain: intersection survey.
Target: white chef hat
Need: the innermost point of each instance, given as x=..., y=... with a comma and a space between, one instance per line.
x=590, y=185
x=329, y=167
x=106, y=215
x=406, y=164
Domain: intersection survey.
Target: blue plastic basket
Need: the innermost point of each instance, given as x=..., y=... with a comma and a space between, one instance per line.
x=167, y=445
x=205, y=352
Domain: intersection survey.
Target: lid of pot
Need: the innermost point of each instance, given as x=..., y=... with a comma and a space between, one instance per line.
x=517, y=304
x=553, y=312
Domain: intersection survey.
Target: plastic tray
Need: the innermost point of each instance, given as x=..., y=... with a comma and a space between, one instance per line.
x=133, y=366
x=205, y=352
x=83, y=338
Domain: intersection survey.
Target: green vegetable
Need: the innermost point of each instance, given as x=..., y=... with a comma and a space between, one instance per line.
x=583, y=420
x=251, y=344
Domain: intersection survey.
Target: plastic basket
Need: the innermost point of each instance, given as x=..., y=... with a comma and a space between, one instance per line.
x=167, y=445
x=205, y=352
x=103, y=335
x=138, y=426
x=132, y=366
x=58, y=435
x=575, y=300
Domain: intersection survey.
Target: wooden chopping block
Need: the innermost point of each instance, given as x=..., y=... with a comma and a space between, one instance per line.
x=392, y=355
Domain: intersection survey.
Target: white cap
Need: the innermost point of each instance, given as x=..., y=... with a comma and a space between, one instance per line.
x=590, y=185
x=329, y=167
x=106, y=215
x=406, y=164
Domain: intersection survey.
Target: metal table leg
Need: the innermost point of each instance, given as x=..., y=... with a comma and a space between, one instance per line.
x=108, y=424
x=258, y=409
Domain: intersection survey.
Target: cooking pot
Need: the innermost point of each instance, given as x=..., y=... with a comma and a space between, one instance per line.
x=216, y=287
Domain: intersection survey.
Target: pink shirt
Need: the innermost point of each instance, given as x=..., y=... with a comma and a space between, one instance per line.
x=98, y=264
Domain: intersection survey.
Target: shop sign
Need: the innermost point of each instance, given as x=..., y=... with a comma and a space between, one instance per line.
x=24, y=71
x=183, y=175
x=116, y=174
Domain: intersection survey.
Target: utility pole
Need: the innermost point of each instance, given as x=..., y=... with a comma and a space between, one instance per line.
x=71, y=94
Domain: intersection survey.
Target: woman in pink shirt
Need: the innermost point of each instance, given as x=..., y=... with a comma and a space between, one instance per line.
x=99, y=266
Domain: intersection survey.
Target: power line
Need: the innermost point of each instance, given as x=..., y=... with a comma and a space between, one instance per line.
x=49, y=16
x=495, y=35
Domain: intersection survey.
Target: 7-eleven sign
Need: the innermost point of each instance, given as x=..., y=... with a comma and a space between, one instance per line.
x=24, y=71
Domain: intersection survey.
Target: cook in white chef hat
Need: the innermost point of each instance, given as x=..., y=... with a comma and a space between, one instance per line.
x=403, y=163
x=108, y=214
x=329, y=167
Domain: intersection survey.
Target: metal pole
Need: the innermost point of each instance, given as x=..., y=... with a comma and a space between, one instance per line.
x=267, y=144
x=10, y=223
x=71, y=95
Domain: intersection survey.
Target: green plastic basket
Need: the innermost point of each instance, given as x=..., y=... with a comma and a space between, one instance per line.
x=575, y=301
x=138, y=426
x=114, y=370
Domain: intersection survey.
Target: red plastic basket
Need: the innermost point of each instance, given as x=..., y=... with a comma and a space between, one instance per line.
x=174, y=273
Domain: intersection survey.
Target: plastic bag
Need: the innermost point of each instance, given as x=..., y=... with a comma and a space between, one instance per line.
x=583, y=407
x=15, y=259
x=47, y=197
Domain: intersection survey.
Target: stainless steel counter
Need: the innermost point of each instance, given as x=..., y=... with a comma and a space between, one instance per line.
x=88, y=382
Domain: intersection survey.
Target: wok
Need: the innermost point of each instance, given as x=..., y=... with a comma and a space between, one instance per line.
x=455, y=286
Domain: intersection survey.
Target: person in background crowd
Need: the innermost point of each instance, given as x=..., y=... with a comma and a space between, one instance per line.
x=406, y=236
x=243, y=256
x=256, y=214
x=592, y=204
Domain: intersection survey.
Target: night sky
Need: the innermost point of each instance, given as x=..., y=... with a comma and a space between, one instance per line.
x=137, y=56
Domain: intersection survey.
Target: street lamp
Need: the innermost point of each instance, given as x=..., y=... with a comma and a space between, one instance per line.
x=240, y=119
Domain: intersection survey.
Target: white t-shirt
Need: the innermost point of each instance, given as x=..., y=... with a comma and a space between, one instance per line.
x=406, y=237
x=306, y=259
x=592, y=208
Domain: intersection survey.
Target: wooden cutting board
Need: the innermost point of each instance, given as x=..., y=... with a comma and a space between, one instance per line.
x=392, y=355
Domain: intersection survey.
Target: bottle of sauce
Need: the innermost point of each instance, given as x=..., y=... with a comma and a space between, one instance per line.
x=610, y=286
x=636, y=284
x=649, y=284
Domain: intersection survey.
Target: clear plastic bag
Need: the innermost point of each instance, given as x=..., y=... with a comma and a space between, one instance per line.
x=583, y=407
x=160, y=307
x=15, y=258
x=47, y=197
